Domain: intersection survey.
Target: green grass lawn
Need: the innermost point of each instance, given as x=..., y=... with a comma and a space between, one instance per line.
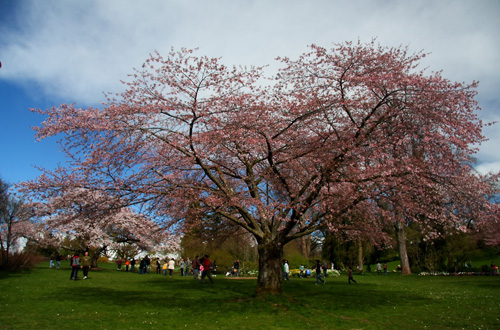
x=46, y=299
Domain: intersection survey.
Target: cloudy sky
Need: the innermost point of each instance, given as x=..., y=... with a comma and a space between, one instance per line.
x=74, y=51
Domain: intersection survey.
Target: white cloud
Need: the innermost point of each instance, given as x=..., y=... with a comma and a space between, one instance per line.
x=76, y=50
x=491, y=167
x=80, y=49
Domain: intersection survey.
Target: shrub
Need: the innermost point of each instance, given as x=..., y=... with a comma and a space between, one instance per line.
x=333, y=272
x=20, y=261
x=103, y=259
x=485, y=269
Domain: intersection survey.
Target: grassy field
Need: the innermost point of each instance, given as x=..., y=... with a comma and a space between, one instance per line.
x=46, y=299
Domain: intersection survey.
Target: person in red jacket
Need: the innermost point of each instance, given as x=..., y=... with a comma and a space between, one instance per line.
x=75, y=266
x=205, y=262
x=195, y=265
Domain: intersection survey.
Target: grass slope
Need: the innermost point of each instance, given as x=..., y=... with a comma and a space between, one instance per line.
x=46, y=299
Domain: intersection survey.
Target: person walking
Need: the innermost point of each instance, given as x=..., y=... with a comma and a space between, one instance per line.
x=206, y=272
x=75, y=266
x=58, y=261
x=325, y=269
x=349, y=275
x=86, y=263
x=318, y=273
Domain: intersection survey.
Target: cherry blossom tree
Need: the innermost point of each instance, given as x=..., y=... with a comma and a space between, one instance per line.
x=438, y=205
x=332, y=130
x=94, y=221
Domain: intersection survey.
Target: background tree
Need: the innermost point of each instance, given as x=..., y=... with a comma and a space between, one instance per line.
x=335, y=128
x=224, y=241
x=94, y=222
x=15, y=217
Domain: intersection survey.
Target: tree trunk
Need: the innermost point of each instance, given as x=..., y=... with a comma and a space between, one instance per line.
x=305, y=245
x=270, y=268
x=93, y=261
x=403, y=254
x=95, y=256
x=360, y=256
x=7, y=243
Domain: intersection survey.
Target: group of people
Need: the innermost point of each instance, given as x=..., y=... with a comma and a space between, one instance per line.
x=321, y=272
x=306, y=272
x=379, y=268
x=235, y=270
x=76, y=264
x=55, y=261
x=320, y=268
x=200, y=268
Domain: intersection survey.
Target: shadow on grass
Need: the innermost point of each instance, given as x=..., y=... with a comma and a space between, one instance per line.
x=6, y=274
x=302, y=297
x=153, y=293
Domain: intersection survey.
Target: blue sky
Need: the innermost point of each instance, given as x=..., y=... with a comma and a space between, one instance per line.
x=73, y=51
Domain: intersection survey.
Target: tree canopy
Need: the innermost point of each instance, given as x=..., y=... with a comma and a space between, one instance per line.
x=357, y=129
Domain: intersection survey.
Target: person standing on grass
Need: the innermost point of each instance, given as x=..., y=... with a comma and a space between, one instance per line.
x=187, y=270
x=119, y=263
x=182, y=266
x=206, y=272
x=75, y=266
x=165, y=267
x=86, y=262
x=158, y=266
x=142, y=266
x=379, y=268
x=147, y=262
x=349, y=275
x=286, y=270
x=494, y=268
x=385, y=269
x=236, y=268
x=196, y=267
x=325, y=269
x=318, y=273
x=58, y=261
x=171, y=267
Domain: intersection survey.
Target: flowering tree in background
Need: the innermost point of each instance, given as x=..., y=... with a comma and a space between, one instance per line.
x=489, y=227
x=335, y=130
x=94, y=221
